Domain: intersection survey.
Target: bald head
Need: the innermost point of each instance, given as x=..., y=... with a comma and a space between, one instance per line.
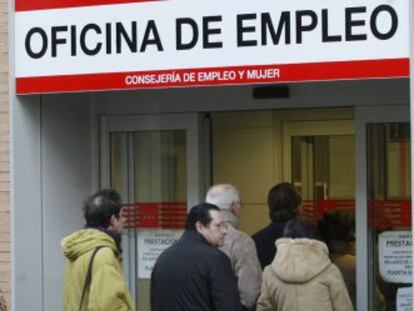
x=225, y=196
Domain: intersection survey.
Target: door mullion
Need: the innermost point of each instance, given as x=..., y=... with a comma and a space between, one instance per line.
x=132, y=233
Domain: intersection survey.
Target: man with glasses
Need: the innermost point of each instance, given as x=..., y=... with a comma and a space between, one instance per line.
x=238, y=246
x=193, y=274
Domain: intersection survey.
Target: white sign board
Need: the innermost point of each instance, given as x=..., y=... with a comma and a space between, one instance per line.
x=395, y=256
x=68, y=45
x=405, y=299
x=151, y=243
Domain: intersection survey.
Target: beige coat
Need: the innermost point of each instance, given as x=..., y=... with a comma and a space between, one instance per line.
x=241, y=250
x=302, y=277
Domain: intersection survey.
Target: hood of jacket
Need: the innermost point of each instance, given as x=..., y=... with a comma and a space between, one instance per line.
x=300, y=260
x=83, y=241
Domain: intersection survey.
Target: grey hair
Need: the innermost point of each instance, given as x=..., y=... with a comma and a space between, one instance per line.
x=222, y=195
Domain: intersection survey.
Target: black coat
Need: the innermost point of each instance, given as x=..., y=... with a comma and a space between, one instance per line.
x=193, y=275
x=265, y=242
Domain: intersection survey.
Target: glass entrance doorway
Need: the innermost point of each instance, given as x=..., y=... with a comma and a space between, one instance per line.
x=349, y=163
x=389, y=216
x=384, y=187
x=154, y=163
x=312, y=149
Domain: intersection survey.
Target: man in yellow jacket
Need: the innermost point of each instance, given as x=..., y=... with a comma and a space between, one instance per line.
x=106, y=289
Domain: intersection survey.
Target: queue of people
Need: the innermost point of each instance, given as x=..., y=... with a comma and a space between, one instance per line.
x=213, y=266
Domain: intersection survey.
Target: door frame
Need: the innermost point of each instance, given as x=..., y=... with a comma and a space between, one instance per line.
x=198, y=161
x=365, y=115
x=192, y=123
x=309, y=128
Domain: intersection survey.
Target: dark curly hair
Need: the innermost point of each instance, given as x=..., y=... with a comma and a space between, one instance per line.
x=337, y=225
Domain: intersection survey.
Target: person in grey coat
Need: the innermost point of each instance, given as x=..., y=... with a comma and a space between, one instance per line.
x=238, y=246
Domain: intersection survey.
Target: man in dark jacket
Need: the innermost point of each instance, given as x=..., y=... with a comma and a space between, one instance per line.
x=193, y=274
x=284, y=203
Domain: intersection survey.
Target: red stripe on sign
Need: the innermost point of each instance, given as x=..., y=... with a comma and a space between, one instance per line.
x=34, y=5
x=347, y=70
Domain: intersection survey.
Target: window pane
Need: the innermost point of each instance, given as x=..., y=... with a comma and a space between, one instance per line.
x=160, y=175
x=117, y=161
x=323, y=171
x=156, y=163
x=389, y=205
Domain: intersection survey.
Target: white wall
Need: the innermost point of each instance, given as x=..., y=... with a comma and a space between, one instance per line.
x=244, y=153
x=27, y=238
x=68, y=168
x=53, y=166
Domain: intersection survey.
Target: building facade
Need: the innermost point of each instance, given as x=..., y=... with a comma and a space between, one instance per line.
x=5, y=214
x=160, y=126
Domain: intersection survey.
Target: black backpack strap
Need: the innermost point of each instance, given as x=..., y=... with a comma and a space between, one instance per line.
x=88, y=275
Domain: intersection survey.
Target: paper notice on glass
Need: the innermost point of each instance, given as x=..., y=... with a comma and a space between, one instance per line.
x=151, y=243
x=395, y=256
x=405, y=299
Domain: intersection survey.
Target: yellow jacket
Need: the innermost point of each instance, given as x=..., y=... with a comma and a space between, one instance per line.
x=108, y=290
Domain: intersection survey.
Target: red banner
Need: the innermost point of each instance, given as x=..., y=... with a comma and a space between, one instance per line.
x=166, y=215
x=32, y=5
x=386, y=214
x=382, y=214
x=344, y=70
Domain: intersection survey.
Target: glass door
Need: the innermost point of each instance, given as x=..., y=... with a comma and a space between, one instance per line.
x=384, y=208
x=319, y=159
x=154, y=162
